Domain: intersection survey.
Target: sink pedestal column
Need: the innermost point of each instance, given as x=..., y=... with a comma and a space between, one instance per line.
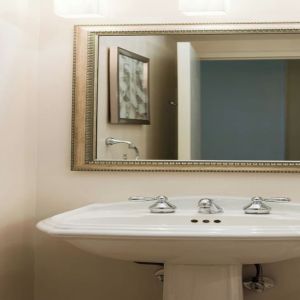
x=201, y=282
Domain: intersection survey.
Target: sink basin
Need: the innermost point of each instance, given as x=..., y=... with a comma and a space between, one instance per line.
x=128, y=231
x=194, y=247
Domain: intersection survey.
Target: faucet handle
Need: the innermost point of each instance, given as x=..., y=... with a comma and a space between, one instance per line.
x=278, y=199
x=141, y=198
x=257, y=206
x=162, y=206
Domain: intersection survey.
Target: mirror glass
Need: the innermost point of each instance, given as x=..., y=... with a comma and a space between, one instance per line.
x=192, y=97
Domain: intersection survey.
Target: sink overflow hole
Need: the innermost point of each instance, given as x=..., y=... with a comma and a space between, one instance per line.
x=194, y=221
x=217, y=221
x=205, y=221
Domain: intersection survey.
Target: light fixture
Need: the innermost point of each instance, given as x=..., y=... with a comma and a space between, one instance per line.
x=79, y=8
x=203, y=7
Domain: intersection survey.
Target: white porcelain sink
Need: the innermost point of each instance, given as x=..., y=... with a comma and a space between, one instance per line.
x=128, y=231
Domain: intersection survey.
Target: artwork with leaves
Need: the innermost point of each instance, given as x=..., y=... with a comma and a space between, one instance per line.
x=129, y=87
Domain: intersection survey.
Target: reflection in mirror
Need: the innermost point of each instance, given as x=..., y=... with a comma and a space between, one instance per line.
x=247, y=109
x=210, y=97
x=157, y=140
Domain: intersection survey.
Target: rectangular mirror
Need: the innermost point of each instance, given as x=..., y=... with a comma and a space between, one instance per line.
x=186, y=98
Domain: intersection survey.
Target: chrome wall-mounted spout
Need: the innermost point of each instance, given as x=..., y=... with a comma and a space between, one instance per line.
x=112, y=141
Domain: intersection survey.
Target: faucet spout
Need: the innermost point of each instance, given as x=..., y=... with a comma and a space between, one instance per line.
x=208, y=206
x=136, y=150
x=110, y=141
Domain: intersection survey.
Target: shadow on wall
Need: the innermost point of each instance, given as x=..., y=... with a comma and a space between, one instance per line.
x=77, y=275
x=286, y=286
x=16, y=262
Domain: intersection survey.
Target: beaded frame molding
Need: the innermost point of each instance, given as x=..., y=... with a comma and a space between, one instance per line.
x=85, y=74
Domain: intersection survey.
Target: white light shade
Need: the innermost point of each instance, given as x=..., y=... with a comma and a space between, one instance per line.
x=79, y=8
x=210, y=7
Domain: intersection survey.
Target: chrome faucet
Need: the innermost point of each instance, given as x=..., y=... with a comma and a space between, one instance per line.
x=259, y=207
x=208, y=206
x=112, y=141
x=162, y=206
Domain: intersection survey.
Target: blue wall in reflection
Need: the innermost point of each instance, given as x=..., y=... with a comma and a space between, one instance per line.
x=243, y=110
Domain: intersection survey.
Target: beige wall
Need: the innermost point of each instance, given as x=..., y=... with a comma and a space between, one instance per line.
x=154, y=141
x=18, y=66
x=64, y=272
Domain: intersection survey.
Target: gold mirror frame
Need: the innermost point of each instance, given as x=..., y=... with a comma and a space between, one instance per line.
x=85, y=98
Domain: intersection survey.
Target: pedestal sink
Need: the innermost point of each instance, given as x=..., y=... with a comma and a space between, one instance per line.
x=203, y=254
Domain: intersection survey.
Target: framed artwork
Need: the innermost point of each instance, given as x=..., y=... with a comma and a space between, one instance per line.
x=129, y=87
